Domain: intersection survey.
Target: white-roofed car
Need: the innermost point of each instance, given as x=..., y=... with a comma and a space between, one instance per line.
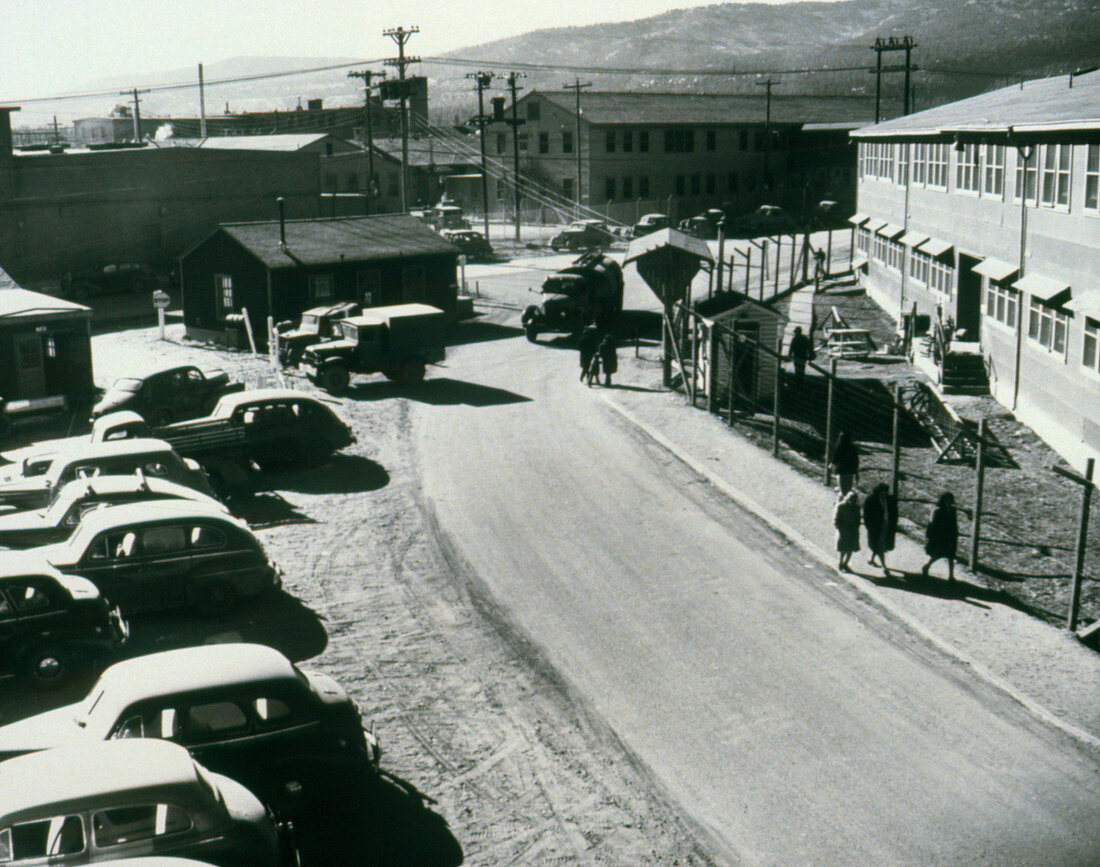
x=94, y=802
x=123, y=424
x=155, y=458
x=163, y=554
x=50, y=621
x=241, y=709
x=56, y=522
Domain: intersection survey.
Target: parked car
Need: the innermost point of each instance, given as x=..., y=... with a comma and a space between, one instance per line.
x=94, y=802
x=315, y=325
x=163, y=554
x=167, y=395
x=765, y=220
x=55, y=523
x=398, y=342
x=587, y=292
x=243, y=710
x=651, y=223
x=154, y=458
x=108, y=280
x=473, y=245
x=583, y=235
x=120, y=425
x=49, y=621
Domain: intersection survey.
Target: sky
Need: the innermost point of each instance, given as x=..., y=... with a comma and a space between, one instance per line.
x=60, y=46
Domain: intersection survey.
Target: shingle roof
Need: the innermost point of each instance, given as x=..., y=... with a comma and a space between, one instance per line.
x=17, y=302
x=433, y=151
x=1042, y=105
x=327, y=241
x=615, y=107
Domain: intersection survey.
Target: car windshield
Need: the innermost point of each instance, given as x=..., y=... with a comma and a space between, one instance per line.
x=127, y=384
x=310, y=321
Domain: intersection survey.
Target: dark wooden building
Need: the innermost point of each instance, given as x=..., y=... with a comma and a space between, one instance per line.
x=281, y=268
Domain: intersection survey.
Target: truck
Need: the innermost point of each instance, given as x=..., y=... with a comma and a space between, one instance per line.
x=587, y=292
x=398, y=341
x=315, y=325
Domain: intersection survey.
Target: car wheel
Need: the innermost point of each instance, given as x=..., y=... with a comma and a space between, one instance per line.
x=216, y=598
x=412, y=371
x=47, y=666
x=334, y=380
x=532, y=333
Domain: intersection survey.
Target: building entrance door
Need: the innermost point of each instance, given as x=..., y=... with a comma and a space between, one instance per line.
x=968, y=308
x=30, y=371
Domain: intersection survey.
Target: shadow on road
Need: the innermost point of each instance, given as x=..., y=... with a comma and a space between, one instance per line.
x=343, y=474
x=438, y=392
x=962, y=590
x=474, y=331
x=267, y=509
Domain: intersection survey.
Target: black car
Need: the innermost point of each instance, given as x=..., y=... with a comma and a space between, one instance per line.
x=49, y=621
x=473, y=245
x=167, y=395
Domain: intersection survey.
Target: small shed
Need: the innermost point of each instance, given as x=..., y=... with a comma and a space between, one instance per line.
x=281, y=267
x=45, y=347
x=738, y=337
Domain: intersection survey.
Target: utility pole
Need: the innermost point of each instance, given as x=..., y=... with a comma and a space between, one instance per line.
x=905, y=44
x=577, y=87
x=483, y=80
x=202, y=104
x=56, y=134
x=513, y=79
x=400, y=35
x=368, y=132
x=767, y=127
x=137, y=109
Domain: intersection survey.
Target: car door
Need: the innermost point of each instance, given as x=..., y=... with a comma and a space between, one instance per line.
x=165, y=565
x=111, y=562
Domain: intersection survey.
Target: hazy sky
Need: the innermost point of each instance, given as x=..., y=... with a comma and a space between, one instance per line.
x=59, y=46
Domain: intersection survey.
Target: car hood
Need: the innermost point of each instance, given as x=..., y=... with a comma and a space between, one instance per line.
x=21, y=484
x=53, y=728
x=48, y=447
x=111, y=401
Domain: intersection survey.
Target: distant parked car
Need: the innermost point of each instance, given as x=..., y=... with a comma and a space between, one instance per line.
x=583, y=235
x=162, y=554
x=55, y=523
x=473, y=245
x=651, y=223
x=94, y=802
x=49, y=621
x=167, y=395
x=316, y=324
x=108, y=280
x=154, y=458
x=240, y=709
x=765, y=220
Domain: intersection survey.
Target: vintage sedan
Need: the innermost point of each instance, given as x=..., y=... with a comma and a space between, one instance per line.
x=56, y=523
x=154, y=458
x=163, y=554
x=167, y=395
x=241, y=709
x=96, y=802
x=473, y=245
x=50, y=621
x=583, y=235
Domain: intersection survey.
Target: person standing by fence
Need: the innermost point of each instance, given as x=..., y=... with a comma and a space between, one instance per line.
x=846, y=522
x=845, y=461
x=880, y=516
x=942, y=535
x=801, y=350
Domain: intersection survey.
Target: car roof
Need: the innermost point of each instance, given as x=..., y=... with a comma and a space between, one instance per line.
x=124, y=484
x=112, y=448
x=161, y=372
x=148, y=511
x=97, y=774
x=255, y=395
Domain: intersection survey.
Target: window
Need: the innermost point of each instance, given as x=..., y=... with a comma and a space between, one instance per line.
x=863, y=241
x=216, y=717
x=1092, y=178
x=270, y=710
x=695, y=185
x=993, y=178
x=1032, y=179
x=902, y=166
x=566, y=142
x=937, y=166
x=567, y=187
x=920, y=163
x=533, y=111
x=1056, y=176
x=609, y=188
x=1048, y=327
x=628, y=187
x=164, y=540
x=28, y=597
x=712, y=140
x=113, y=546
x=680, y=185
x=609, y=141
x=1090, y=358
x=895, y=255
x=60, y=835
x=643, y=141
x=643, y=187
x=223, y=285
x=207, y=537
x=628, y=141
x=711, y=183
x=502, y=142
x=544, y=142
x=941, y=277
x=128, y=824
x=501, y=187
x=966, y=169
x=320, y=287
x=1002, y=304
x=679, y=141
x=521, y=141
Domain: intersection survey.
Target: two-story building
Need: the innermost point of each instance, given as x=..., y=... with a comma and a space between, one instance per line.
x=985, y=214
x=678, y=153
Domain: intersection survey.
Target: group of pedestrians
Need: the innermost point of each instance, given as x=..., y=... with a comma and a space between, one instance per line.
x=598, y=352
x=879, y=515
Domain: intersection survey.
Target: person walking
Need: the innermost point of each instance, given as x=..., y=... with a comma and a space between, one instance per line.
x=801, y=350
x=880, y=516
x=588, y=344
x=845, y=461
x=942, y=535
x=846, y=522
x=608, y=357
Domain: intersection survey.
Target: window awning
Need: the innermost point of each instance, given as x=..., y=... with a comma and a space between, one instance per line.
x=935, y=247
x=1087, y=303
x=858, y=219
x=996, y=269
x=1043, y=288
x=890, y=230
x=873, y=225
x=913, y=239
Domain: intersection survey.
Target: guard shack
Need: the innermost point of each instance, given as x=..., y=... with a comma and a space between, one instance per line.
x=735, y=363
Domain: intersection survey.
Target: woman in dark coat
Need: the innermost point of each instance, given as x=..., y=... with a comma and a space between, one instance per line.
x=846, y=522
x=608, y=358
x=942, y=536
x=880, y=516
x=846, y=461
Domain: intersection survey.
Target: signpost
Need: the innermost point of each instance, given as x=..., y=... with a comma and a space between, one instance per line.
x=161, y=302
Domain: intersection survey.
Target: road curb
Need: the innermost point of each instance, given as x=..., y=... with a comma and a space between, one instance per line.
x=867, y=588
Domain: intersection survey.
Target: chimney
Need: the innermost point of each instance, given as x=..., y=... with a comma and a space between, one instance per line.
x=6, y=152
x=282, y=223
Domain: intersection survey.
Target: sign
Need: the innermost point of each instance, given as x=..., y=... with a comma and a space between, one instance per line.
x=161, y=300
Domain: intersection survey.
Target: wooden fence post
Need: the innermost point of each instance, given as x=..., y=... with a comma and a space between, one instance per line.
x=829, y=256
x=777, y=391
x=829, y=423
x=896, y=443
x=748, y=270
x=695, y=356
x=979, y=490
x=733, y=354
x=778, y=256
x=763, y=266
x=1082, y=539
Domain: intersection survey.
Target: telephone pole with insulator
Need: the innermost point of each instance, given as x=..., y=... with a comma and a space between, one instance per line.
x=400, y=35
